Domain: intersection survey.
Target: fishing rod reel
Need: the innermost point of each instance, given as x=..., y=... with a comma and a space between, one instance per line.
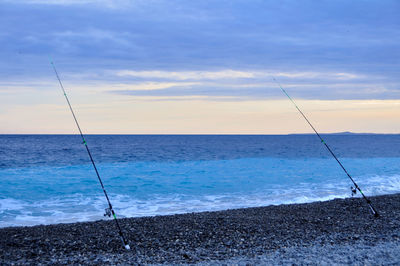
x=353, y=191
x=107, y=212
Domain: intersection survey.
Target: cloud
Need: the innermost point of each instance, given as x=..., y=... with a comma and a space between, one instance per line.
x=238, y=85
x=93, y=35
x=175, y=59
x=228, y=49
x=150, y=86
x=319, y=75
x=259, y=92
x=107, y=3
x=226, y=84
x=232, y=74
x=187, y=75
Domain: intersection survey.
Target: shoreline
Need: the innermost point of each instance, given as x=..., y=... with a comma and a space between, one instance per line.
x=277, y=233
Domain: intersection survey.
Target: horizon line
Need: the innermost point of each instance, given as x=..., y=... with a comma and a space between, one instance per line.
x=196, y=134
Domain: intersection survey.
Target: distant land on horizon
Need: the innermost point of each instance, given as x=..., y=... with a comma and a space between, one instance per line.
x=345, y=133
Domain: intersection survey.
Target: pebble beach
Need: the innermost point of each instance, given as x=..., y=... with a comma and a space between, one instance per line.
x=340, y=231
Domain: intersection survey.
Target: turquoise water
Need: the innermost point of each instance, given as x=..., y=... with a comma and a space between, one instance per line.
x=49, y=179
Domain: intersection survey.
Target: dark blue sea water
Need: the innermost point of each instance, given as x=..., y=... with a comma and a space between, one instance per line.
x=49, y=179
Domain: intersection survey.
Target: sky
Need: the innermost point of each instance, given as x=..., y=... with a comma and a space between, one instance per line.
x=199, y=67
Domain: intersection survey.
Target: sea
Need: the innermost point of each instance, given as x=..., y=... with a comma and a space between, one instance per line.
x=47, y=179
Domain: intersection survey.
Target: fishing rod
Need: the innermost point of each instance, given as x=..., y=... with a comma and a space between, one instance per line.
x=109, y=210
x=356, y=187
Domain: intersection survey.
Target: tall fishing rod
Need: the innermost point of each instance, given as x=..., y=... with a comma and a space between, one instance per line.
x=353, y=190
x=110, y=209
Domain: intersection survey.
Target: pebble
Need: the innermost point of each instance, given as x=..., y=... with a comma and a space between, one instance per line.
x=340, y=231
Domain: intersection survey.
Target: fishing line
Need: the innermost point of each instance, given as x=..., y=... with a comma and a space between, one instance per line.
x=109, y=210
x=356, y=187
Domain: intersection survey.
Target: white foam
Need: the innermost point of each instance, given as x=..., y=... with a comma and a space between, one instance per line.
x=11, y=205
x=78, y=207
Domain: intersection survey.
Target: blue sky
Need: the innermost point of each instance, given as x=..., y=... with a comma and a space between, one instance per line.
x=208, y=51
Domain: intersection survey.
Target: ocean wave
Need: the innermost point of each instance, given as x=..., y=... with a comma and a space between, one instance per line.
x=80, y=207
